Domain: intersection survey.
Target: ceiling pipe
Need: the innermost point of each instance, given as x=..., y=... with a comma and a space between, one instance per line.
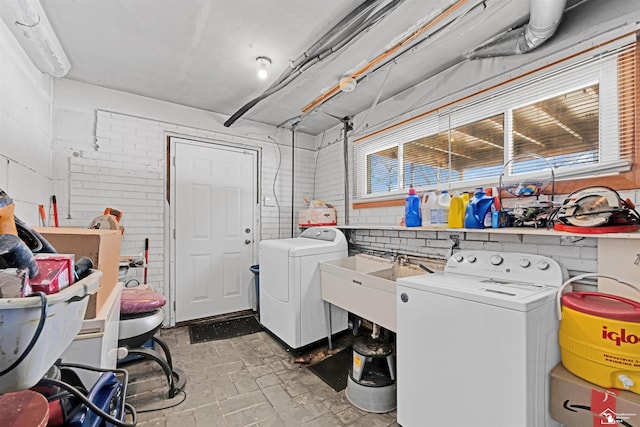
x=544, y=19
x=293, y=180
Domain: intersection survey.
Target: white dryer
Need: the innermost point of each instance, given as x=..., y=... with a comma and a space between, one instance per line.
x=291, y=304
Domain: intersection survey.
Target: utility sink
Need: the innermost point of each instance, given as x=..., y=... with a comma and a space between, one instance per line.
x=365, y=285
x=398, y=271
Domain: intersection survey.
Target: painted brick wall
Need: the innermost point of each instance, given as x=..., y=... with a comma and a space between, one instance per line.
x=329, y=174
x=108, y=158
x=127, y=172
x=577, y=254
x=25, y=130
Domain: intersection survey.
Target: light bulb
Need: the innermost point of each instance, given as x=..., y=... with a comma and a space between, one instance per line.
x=263, y=63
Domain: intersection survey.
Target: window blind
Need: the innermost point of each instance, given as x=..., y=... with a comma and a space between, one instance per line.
x=580, y=117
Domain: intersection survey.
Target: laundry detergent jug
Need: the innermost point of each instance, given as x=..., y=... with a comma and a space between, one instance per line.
x=440, y=213
x=412, y=216
x=429, y=203
x=477, y=209
x=456, y=211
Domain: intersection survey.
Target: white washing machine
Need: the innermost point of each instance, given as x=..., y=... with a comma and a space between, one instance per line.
x=476, y=342
x=291, y=304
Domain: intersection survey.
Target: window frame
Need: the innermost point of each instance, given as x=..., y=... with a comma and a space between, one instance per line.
x=556, y=81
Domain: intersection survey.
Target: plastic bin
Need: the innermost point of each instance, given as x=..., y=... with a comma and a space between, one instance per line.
x=19, y=319
x=255, y=269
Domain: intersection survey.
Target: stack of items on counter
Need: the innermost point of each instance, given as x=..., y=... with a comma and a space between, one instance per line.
x=318, y=213
x=478, y=210
x=28, y=263
x=590, y=210
x=598, y=381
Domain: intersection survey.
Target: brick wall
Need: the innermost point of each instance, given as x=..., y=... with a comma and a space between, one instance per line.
x=577, y=254
x=329, y=172
x=115, y=159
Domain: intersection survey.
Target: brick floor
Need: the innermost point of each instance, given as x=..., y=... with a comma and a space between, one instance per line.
x=245, y=381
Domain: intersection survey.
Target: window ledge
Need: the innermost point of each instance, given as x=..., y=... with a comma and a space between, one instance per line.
x=509, y=230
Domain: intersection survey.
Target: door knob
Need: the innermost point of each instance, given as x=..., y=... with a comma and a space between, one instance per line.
x=247, y=242
x=247, y=230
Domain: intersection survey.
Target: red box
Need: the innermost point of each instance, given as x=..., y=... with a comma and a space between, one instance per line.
x=55, y=274
x=70, y=258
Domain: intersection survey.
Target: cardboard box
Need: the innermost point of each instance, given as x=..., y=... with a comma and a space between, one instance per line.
x=579, y=403
x=316, y=216
x=101, y=246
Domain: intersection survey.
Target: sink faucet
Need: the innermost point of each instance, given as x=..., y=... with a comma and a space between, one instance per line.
x=403, y=259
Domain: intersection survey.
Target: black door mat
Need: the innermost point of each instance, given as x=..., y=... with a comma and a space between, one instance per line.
x=223, y=329
x=334, y=370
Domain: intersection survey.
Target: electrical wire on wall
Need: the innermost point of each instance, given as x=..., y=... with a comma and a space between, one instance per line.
x=275, y=179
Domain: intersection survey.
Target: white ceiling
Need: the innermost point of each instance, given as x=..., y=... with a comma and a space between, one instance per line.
x=201, y=53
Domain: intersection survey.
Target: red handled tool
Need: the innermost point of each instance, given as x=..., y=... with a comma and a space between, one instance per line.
x=146, y=259
x=55, y=210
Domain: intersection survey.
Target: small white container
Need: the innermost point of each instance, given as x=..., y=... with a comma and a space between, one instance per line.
x=19, y=319
x=440, y=214
x=429, y=202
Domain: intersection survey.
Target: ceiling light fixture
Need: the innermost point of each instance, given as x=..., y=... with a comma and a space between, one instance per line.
x=38, y=38
x=263, y=63
x=347, y=84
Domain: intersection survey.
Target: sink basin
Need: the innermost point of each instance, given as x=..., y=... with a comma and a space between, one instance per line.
x=398, y=271
x=365, y=285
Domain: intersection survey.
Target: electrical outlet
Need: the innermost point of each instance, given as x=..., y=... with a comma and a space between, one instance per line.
x=455, y=239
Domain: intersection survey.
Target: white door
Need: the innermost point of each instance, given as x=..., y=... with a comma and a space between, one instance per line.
x=215, y=205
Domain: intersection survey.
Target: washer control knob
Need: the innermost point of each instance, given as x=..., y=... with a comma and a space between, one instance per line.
x=524, y=263
x=404, y=297
x=543, y=265
x=458, y=257
x=496, y=259
x=471, y=258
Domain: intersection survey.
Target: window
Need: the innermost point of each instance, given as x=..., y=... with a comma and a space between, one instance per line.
x=579, y=118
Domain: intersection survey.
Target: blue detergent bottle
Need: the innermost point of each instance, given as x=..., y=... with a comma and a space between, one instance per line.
x=412, y=216
x=477, y=209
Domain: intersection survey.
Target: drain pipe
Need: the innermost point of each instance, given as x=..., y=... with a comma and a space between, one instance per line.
x=347, y=126
x=544, y=19
x=293, y=180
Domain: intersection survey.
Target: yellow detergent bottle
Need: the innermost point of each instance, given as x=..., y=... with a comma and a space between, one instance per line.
x=456, y=211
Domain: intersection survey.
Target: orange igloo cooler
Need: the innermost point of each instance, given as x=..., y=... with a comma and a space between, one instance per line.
x=599, y=339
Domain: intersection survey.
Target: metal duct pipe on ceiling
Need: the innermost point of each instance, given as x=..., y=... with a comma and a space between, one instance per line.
x=544, y=19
